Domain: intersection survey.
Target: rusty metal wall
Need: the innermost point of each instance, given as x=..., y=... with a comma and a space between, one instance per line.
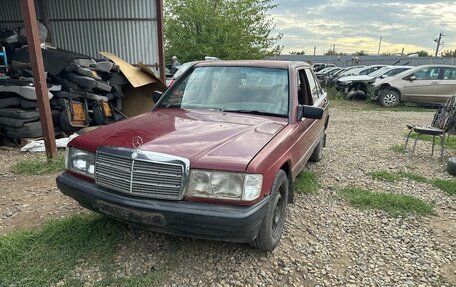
x=127, y=28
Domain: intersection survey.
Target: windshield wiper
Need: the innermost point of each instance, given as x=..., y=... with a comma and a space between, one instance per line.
x=255, y=113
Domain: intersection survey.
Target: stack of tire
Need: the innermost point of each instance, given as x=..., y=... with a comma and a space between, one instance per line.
x=82, y=91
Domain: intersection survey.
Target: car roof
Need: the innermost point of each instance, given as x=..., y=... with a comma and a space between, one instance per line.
x=252, y=63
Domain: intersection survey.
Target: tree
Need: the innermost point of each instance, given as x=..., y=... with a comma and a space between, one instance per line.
x=331, y=52
x=228, y=29
x=448, y=54
x=360, y=53
x=421, y=53
x=297, y=53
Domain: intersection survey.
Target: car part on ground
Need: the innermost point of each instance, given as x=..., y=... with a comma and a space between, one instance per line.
x=451, y=166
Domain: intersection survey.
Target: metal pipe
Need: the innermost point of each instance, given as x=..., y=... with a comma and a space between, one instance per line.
x=36, y=59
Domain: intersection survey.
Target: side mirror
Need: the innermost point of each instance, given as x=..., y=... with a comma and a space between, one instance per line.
x=411, y=78
x=382, y=76
x=310, y=112
x=156, y=96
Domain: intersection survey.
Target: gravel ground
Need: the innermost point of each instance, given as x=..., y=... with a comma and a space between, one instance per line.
x=326, y=241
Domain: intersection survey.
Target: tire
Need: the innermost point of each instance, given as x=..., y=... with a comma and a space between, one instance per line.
x=317, y=154
x=451, y=166
x=271, y=228
x=389, y=98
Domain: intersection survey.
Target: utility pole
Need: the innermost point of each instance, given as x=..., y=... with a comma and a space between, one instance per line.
x=438, y=40
x=379, y=45
x=402, y=53
x=315, y=50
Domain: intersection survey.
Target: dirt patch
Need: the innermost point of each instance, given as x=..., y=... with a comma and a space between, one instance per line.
x=28, y=201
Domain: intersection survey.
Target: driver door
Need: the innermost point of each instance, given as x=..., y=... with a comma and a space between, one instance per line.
x=306, y=130
x=424, y=88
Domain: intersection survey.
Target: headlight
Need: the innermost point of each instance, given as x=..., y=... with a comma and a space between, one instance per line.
x=224, y=185
x=80, y=161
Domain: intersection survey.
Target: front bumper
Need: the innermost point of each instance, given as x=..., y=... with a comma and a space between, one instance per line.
x=374, y=92
x=199, y=220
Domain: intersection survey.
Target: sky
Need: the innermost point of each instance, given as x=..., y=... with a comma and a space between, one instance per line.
x=354, y=25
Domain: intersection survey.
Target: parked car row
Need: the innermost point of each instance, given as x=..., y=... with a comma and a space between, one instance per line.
x=358, y=85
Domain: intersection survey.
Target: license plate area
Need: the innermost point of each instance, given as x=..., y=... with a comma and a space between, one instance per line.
x=130, y=215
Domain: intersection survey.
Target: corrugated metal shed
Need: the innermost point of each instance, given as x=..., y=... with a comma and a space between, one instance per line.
x=127, y=28
x=10, y=13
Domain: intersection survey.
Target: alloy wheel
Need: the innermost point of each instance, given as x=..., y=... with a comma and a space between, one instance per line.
x=389, y=99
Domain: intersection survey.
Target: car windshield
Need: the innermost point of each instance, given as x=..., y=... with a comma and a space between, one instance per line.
x=379, y=72
x=182, y=68
x=232, y=89
x=324, y=70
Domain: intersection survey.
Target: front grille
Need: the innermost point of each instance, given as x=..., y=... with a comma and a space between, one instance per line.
x=140, y=176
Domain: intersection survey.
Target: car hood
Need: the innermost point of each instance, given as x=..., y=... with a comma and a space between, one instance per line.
x=209, y=139
x=357, y=78
x=380, y=81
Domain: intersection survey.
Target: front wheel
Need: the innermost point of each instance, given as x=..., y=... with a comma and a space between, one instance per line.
x=389, y=98
x=271, y=228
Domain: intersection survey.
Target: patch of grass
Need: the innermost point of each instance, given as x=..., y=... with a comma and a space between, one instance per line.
x=393, y=204
x=385, y=175
x=43, y=257
x=413, y=176
x=307, y=182
x=448, y=186
x=39, y=166
x=449, y=142
x=398, y=148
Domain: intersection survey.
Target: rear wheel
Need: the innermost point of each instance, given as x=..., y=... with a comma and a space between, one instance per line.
x=317, y=154
x=274, y=220
x=389, y=98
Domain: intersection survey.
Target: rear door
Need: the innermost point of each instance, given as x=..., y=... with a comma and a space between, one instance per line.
x=447, y=85
x=424, y=88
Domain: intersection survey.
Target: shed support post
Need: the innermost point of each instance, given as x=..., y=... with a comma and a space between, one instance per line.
x=161, y=47
x=36, y=59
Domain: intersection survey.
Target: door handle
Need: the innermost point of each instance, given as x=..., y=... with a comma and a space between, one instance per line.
x=434, y=83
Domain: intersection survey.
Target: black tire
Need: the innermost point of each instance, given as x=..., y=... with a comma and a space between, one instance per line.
x=451, y=166
x=317, y=154
x=271, y=228
x=389, y=98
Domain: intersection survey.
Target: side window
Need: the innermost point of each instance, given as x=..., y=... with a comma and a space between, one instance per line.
x=431, y=73
x=394, y=72
x=449, y=74
x=304, y=97
x=313, y=87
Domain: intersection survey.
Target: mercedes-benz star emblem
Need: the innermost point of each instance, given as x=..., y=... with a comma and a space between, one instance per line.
x=137, y=142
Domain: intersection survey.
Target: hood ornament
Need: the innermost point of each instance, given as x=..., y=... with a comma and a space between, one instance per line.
x=137, y=142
